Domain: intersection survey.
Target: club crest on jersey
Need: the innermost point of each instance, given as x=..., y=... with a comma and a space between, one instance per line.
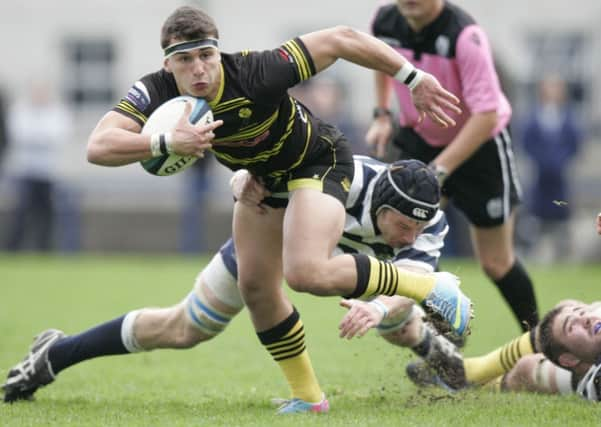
x=245, y=113
x=442, y=45
x=138, y=96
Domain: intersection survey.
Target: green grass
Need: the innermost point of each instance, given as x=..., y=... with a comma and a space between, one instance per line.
x=229, y=381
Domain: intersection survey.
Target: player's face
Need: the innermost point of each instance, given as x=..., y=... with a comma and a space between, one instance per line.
x=197, y=72
x=420, y=10
x=397, y=229
x=578, y=328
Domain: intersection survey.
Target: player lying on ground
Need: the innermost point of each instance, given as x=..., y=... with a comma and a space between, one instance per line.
x=567, y=358
x=380, y=221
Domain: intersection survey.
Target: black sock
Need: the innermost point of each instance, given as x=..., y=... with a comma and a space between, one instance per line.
x=102, y=340
x=423, y=348
x=516, y=287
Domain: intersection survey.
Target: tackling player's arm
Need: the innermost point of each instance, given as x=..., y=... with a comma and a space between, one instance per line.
x=429, y=97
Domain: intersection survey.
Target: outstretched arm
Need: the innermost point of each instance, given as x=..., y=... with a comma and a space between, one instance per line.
x=327, y=46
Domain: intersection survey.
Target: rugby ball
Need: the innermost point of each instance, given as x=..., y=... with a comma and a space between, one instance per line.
x=163, y=119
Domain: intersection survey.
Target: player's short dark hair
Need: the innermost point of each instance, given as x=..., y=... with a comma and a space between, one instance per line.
x=410, y=188
x=549, y=344
x=187, y=23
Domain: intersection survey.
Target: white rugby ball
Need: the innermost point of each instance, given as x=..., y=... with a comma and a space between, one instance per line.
x=163, y=119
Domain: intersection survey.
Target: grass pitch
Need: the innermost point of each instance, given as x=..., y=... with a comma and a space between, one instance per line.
x=230, y=380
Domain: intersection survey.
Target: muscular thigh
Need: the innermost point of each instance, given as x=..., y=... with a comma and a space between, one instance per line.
x=258, y=246
x=312, y=227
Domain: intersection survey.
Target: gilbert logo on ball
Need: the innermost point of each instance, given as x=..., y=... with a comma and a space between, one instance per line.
x=162, y=120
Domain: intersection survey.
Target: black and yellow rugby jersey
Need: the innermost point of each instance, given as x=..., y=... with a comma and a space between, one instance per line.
x=265, y=130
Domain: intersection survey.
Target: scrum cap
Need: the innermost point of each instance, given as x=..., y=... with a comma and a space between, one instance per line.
x=408, y=187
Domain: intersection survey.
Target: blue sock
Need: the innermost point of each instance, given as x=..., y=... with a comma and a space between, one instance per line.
x=102, y=340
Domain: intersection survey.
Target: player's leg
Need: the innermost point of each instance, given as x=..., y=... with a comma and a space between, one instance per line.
x=495, y=251
x=311, y=233
x=487, y=190
x=408, y=329
x=258, y=239
x=202, y=315
x=482, y=369
x=534, y=373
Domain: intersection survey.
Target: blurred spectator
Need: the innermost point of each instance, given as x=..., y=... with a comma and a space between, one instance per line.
x=195, y=206
x=37, y=127
x=551, y=137
x=3, y=133
x=326, y=97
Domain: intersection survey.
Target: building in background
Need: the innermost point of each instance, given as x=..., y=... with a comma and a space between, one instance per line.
x=90, y=57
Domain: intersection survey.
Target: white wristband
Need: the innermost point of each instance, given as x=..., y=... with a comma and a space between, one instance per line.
x=155, y=145
x=380, y=307
x=160, y=144
x=409, y=75
x=168, y=142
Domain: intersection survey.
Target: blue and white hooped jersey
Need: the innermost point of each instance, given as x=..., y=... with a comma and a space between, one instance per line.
x=589, y=386
x=359, y=234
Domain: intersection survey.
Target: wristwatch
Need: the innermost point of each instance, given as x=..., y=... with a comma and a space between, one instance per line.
x=379, y=111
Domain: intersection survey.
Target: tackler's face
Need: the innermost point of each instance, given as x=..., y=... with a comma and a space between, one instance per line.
x=197, y=72
x=397, y=229
x=578, y=328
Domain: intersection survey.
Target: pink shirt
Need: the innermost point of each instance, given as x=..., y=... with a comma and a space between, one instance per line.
x=470, y=75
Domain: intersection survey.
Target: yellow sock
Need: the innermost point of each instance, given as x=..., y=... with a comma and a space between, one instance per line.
x=479, y=370
x=495, y=385
x=387, y=279
x=286, y=344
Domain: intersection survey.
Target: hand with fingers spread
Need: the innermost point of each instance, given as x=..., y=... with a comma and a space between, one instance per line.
x=248, y=190
x=191, y=140
x=431, y=99
x=360, y=318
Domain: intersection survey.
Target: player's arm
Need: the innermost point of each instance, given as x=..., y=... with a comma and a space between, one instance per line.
x=380, y=131
x=472, y=135
x=534, y=373
x=362, y=315
x=116, y=140
x=248, y=190
x=327, y=46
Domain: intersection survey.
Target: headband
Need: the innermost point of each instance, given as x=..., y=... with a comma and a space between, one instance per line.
x=189, y=45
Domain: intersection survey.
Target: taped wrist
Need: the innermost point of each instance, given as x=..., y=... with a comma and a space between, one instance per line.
x=160, y=144
x=409, y=75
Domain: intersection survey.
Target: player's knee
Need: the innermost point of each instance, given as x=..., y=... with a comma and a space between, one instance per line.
x=307, y=276
x=495, y=267
x=183, y=333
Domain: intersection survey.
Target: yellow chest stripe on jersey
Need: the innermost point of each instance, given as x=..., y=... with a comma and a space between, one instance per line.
x=127, y=107
x=251, y=131
x=267, y=154
x=275, y=174
x=230, y=105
